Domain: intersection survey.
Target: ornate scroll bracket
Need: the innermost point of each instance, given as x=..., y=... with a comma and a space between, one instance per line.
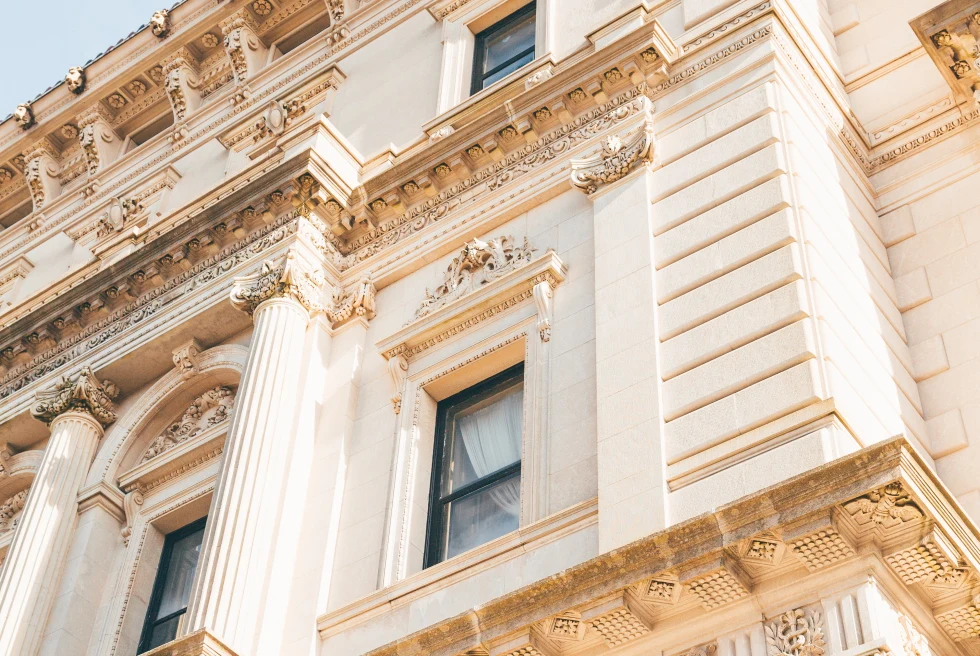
x=614, y=162
x=131, y=504
x=544, y=296
x=397, y=369
x=81, y=392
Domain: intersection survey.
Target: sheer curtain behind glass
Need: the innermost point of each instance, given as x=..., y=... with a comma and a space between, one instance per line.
x=486, y=441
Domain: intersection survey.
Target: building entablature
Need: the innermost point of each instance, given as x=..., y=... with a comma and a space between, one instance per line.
x=777, y=562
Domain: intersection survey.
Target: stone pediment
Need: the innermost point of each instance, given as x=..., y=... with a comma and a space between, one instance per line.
x=486, y=278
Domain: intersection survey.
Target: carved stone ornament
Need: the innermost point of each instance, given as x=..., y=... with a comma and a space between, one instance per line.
x=81, y=392
x=616, y=159
x=285, y=280
x=185, y=358
x=544, y=303
x=397, y=368
x=24, y=115
x=160, y=23
x=887, y=506
x=10, y=511
x=131, y=503
x=358, y=302
x=796, y=633
x=210, y=409
x=479, y=263
x=336, y=10
x=120, y=212
x=75, y=79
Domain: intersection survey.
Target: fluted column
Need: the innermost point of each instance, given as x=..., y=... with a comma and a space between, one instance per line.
x=77, y=410
x=246, y=559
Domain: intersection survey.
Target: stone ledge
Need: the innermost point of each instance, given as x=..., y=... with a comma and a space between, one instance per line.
x=199, y=643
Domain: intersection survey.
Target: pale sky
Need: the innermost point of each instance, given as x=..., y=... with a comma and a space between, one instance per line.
x=44, y=38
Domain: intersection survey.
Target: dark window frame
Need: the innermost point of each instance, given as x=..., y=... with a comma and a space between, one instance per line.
x=435, y=524
x=480, y=39
x=162, y=570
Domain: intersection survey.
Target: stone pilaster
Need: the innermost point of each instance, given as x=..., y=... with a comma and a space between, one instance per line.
x=632, y=486
x=77, y=409
x=247, y=559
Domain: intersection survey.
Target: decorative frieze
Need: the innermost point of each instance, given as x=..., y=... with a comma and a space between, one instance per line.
x=206, y=411
x=81, y=392
x=614, y=161
x=480, y=262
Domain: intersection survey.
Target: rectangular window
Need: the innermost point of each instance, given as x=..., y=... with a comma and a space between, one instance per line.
x=172, y=587
x=503, y=48
x=476, y=473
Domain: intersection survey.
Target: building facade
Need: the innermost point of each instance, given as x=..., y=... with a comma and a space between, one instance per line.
x=497, y=328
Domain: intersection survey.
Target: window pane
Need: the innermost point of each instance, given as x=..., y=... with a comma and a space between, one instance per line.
x=162, y=633
x=507, y=43
x=486, y=437
x=507, y=70
x=482, y=516
x=180, y=573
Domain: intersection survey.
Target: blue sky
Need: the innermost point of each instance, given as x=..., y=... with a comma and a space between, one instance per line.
x=74, y=31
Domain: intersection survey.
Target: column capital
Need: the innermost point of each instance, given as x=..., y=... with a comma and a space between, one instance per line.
x=82, y=392
x=288, y=279
x=614, y=162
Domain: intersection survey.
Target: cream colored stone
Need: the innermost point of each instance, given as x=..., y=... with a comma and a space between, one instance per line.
x=947, y=434
x=729, y=291
x=726, y=254
x=928, y=358
x=912, y=289
x=926, y=247
x=942, y=313
x=721, y=221
x=897, y=226
x=714, y=190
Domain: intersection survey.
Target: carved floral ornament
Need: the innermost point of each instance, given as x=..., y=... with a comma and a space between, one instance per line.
x=480, y=262
x=10, y=511
x=206, y=411
x=798, y=632
x=82, y=392
x=614, y=161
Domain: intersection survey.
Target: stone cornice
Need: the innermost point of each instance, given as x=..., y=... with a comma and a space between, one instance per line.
x=860, y=490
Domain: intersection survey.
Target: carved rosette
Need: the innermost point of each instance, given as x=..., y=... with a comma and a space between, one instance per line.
x=286, y=280
x=82, y=392
x=614, y=162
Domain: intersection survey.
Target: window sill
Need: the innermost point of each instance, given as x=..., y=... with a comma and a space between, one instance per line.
x=454, y=570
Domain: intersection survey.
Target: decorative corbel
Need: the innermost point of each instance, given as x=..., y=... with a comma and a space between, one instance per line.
x=131, y=505
x=75, y=79
x=41, y=172
x=544, y=302
x=182, y=84
x=185, y=358
x=614, y=161
x=397, y=368
x=100, y=143
x=245, y=49
x=336, y=9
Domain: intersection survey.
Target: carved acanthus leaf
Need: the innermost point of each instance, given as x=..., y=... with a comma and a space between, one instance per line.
x=81, y=392
x=358, y=302
x=616, y=159
x=480, y=262
x=210, y=409
x=285, y=280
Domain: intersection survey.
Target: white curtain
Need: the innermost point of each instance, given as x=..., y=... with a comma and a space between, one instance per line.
x=491, y=439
